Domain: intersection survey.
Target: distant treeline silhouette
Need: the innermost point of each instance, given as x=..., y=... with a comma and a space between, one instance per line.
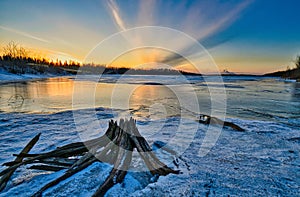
x=16, y=59
x=289, y=73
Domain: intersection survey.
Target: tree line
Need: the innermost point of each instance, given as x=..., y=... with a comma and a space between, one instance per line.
x=16, y=59
x=293, y=73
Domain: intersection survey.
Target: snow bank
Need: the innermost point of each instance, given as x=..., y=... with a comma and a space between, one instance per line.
x=6, y=77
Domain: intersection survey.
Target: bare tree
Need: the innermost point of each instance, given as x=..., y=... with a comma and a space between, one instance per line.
x=297, y=62
x=15, y=56
x=14, y=50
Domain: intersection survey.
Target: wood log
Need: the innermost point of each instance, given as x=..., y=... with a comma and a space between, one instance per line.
x=59, y=153
x=163, y=146
x=68, y=174
x=25, y=155
x=82, y=163
x=205, y=119
x=5, y=177
x=59, y=161
x=69, y=150
x=47, y=168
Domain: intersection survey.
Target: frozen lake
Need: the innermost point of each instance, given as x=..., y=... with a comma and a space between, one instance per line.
x=262, y=161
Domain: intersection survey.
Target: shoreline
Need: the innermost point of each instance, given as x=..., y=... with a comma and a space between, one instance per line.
x=7, y=78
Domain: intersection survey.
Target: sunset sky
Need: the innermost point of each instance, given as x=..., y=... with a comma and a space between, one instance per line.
x=252, y=36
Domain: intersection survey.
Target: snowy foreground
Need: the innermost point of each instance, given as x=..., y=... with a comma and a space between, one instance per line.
x=263, y=161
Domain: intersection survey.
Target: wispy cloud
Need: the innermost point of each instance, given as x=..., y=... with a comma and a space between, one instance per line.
x=115, y=11
x=199, y=19
x=62, y=56
x=225, y=20
x=23, y=34
x=208, y=31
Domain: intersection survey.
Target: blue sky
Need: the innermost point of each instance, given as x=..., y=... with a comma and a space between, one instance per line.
x=252, y=36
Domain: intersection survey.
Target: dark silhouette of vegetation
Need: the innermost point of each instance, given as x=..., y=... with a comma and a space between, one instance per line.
x=297, y=62
x=289, y=73
x=16, y=60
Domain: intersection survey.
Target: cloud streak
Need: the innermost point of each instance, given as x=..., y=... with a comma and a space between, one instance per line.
x=201, y=20
x=115, y=11
x=23, y=34
x=225, y=21
x=204, y=35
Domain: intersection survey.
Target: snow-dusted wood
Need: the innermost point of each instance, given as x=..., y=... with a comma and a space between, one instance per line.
x=5, y=178
x=114, y=147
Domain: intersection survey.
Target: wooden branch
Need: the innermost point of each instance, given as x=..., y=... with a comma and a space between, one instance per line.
x=72, y=149
x=47, y=168
x=25, y=155
x=68, y=174
x=81, y=164
x=59, y=161
x=162, y=146
x=57, y=153
x=5, y=177
x=114, y=147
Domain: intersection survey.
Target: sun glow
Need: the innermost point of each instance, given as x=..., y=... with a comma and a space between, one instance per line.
x=63, y=58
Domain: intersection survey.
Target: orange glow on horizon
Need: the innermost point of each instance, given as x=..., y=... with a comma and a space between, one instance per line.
x=150, y=58
x=53, y=56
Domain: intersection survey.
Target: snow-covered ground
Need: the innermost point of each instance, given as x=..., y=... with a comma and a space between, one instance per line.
x=7, y=77
x=263, y=161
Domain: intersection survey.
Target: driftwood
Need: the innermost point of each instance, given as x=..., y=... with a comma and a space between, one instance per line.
x=47, y=168
x=114, y=147
x=205, y=119
x=5, y=178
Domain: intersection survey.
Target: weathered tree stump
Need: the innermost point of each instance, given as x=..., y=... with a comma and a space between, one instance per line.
x=114, y=147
